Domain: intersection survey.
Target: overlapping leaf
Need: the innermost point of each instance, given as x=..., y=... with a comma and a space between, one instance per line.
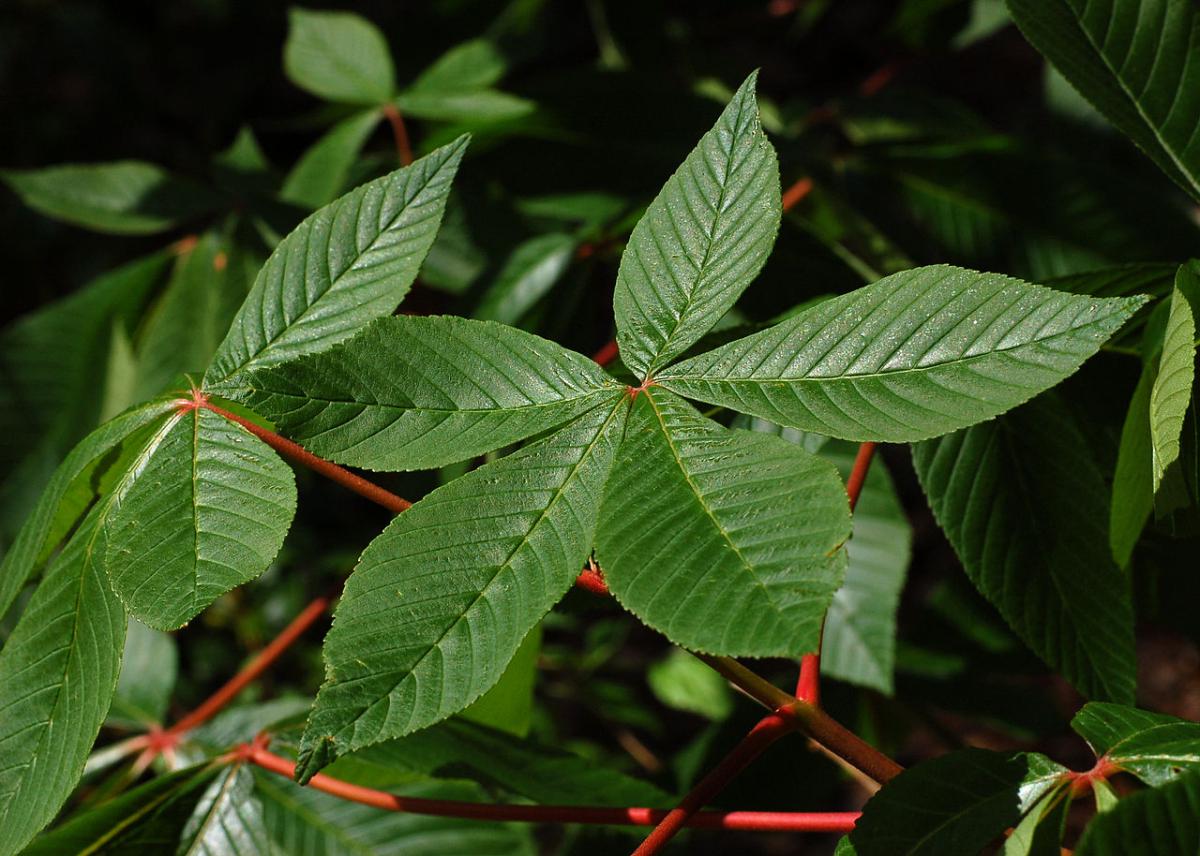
x=1152, y=746
x=228, y=819
x=917, y=354
x=121, y=198
x=530, y=271
x=1137, y=61
x=440, y=602
x=956, y=803
x=701, y=241
x=59, y=669
x=1157, y=822
x=1172, y=390
x=204, y=510
x=339, y=56
x=728, y=542
x=347, y=264
x=1022, y=500
x=413, y=393
x=1133, y=488
x=321, y=173
x=458, y=87
x=149, y=667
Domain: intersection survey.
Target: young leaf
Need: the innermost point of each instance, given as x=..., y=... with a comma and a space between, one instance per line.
x=918, y=354
x=347, y=264
x=321, y=173
x=728, y=542
x=143, y=820
x=414, y=393
x=59, y=670
x=306, y=822
x=32, y=542
x=440, y=602
x=701, y=241
x=228, y=819
x=120, y=198
x=1172, y=390
x=1023, y=503
x=457, y=748
x=338, y=56
x=1133, y=488
x=1152, y=746
x=1158, y=822
x=204, y=510
x=860, y=628
x=956, y=803
x=1137, y=61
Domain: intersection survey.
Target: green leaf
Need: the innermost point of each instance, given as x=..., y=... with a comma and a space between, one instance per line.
x=440, y=602
x=701, y=241
x=119, y=198
x=1172, y=391
x=1152, y=746
x=860, y=628
x=682, y=682
x=471, y=107
x=1137, y=61
x=204, y=509
x=475, y=64
x=338, y=56
x=1022, y=501
x=147, y=819
x=457, y=749
x=734, y=544
x=508, y=706
x=228, y=819
x=183, y=331
x=321, y=174
x=70, y=490
x=956, y=803
x=59, y=670
x=1159, y=822
x=1133, y=489
x=148, y=670
x=1040, y=832
x=917, y=354
x=527, y=275
x=306, y=822
x=415, y=393
x=347, y=264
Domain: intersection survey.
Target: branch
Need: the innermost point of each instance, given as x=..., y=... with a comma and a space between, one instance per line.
x=769, y=729
x=257, y=754
x=400, y=133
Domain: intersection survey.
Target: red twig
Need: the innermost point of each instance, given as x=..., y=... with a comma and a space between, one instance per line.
x=746, y=820
x=767, y=731
x=299, y=454
x=592, y=580
x=400, y=132
x=607, y=354
x=858, y=473
x=794, y=194
x=250, y=672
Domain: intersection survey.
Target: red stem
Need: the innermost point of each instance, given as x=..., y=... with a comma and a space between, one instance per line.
x=794, y=194
x=267, y=656
x=767, y=731
x=299, y=454
x=808, y=687
x=746, y=820
x=858, y=473
x=400, y=132
x=607, y=354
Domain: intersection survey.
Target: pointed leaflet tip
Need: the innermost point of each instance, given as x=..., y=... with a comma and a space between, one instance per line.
x=701, y=241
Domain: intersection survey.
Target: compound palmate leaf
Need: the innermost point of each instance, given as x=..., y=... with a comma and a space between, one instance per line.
x=347, y=264
x=953, y=804
x=1023, y=502
x=440, y=602
x=1152, y=746
x=701, y=241
x=204, y=509
x=59, y=670
x=414, y=393
x=1138, y=61
x=1158, y=822
x=917, y=354
x=728, y=542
